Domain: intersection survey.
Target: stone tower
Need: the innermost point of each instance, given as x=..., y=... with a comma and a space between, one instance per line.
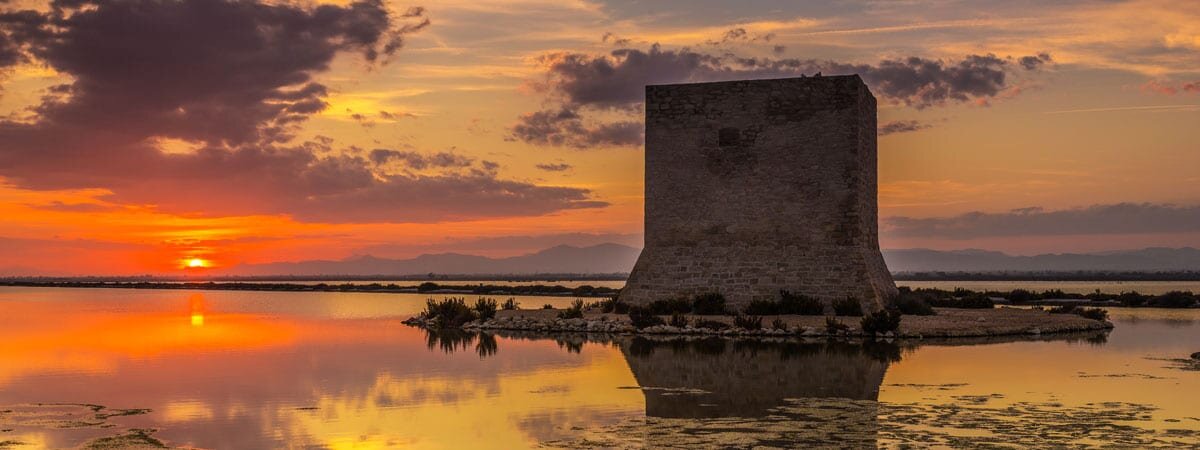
x=753, y=187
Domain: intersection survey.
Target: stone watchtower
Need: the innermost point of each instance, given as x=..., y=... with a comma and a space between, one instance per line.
x=753, y=187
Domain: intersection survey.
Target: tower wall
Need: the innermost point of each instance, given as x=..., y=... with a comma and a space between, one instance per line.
x=753, y=187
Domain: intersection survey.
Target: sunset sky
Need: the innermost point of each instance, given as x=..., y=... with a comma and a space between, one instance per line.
x=138, y=135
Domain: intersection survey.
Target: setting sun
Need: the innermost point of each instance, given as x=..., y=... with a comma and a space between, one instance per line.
x=195, y=263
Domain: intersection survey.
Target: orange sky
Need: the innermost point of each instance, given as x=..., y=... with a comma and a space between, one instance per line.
x=380, y=133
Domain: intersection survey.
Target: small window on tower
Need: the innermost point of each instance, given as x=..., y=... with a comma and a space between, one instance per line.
x=729, y=137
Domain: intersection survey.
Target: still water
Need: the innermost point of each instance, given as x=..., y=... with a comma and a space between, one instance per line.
x=253, y=370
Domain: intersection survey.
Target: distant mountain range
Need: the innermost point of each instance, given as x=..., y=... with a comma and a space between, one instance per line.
x=616, y=258
x=603, y=258
x=1144, y=260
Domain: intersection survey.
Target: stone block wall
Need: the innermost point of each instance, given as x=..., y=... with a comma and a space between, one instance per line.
x=753, y=187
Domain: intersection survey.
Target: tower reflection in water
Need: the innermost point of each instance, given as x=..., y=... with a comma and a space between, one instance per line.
x=712, y=391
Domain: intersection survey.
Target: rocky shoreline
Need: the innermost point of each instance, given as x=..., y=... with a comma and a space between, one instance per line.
x=948, y=323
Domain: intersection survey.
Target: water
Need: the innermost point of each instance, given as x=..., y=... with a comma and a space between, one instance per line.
x=225, y=369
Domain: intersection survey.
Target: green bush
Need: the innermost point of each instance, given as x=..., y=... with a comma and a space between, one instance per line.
x=762, y=308
x=678, y=320
x=710, y=304
x=641, y=317
x=710, y=324
x=613, y=305
x=427, y=286
x=670, y=306
x=1019, y=296
x=779, y=324
x=1174, y=299
x=1132, y=298
x=1093, y=313
x=511, y=304
x=799, y=304
x=914, y=304
x=449, y=313
x=1090, y=313
x=486, y=307
x=574, y=312
x=747, y=322
x=848, y=306
x=835, y=326
x=970, y=301
x=881, y=321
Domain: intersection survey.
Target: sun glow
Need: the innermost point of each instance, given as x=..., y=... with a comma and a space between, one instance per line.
x=195, y=263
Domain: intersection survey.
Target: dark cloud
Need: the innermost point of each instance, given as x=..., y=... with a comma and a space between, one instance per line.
x=234, y=79
x=565, y=127
x=554, y=167
x=617, y=81
x=1121, y=218
x=418, y=161
x=1034, y=62
x=902, y=126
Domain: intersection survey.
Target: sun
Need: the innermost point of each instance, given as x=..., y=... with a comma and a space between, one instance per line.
x=195, y=263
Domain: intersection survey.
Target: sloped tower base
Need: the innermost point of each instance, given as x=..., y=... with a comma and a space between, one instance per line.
x=753, y=187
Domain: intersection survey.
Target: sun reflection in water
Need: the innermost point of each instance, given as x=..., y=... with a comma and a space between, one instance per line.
x=196, y=304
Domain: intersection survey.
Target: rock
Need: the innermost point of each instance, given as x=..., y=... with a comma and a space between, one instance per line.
x=1035, y=330
x=1196, y=355
x=981, y=320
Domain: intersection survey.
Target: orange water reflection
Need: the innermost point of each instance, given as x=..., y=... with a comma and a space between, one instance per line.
x=270, y=370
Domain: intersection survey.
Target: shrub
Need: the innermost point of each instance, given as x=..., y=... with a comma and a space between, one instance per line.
x=641, y=317
x=1093, y=313
x=486, y=307
x=710, y=324
x=1174, y=299
x=678, y=320
x=1090, y=313
x=762, y=308
x=835, y=326
x=449, y=313
x=799, y=304
x=747, y=322
x=427, y=286
x=613, y=305
x=1019, y=296
x=511, y=304
x=881, y=321
x=848, y=306
x=970, y=301
x=547, y=306
x=779, y=324
x=1132, y=298
x=671, y=306
x=574, y=312
x=709, y=304
x=914, y=304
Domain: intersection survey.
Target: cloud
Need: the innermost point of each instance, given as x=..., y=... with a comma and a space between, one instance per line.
x=616, y=82
x=554, y=167
x=418, y=161
x=902, y=126
x=565, y=127
x=233, y=80
x=1034, y=62
x=1120, y=218
x=1170, y=88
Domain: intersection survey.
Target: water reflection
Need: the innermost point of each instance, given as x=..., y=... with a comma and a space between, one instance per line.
x=240, y=370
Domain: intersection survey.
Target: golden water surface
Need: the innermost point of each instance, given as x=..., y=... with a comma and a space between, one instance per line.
x=222, y=369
